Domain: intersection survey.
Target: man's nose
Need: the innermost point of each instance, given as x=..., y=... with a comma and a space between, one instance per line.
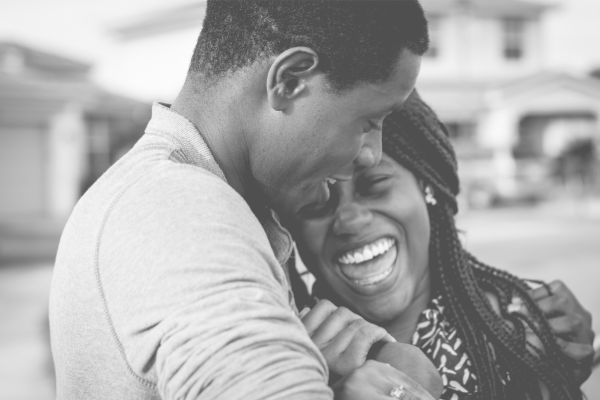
x=351, y=218
x=370, y=154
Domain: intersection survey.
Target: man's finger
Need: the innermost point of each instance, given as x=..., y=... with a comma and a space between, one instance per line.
x=579, y=352
x=582, y=355
x=572, y=325
x=555, y=305
x=539, y=293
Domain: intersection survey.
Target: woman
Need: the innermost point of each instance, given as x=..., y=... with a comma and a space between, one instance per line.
x=386, y=246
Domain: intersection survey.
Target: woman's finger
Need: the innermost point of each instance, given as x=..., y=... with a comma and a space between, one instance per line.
x=335, y=323
x=412, y=389
x=360, y=337
x=349, y=349
x=319, y=313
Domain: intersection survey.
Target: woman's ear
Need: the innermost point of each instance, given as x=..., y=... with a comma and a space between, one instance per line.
x=288, y=76
x=428, y=192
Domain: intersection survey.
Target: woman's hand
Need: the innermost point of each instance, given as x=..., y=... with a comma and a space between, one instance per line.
x=570, y=322
x=374, y=381
x=411, y=361
x=343, y=337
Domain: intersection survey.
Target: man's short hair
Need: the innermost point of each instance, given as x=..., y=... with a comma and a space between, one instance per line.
x=357, y=41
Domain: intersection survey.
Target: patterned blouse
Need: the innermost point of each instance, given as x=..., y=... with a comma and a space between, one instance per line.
x=439, y=340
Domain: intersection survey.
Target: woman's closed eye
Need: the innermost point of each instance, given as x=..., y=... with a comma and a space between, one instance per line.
x=316, y=211
x=369, y=185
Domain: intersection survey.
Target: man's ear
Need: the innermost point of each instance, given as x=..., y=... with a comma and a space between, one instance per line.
x=288, y=75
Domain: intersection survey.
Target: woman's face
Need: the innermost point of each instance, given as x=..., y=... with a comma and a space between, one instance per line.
x=371, y=241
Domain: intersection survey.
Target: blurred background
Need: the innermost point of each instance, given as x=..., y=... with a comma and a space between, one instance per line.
x=517, y=83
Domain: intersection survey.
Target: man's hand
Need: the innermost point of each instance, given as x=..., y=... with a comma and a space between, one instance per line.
x=343, y=337
x=570, y=322
x=374, y=381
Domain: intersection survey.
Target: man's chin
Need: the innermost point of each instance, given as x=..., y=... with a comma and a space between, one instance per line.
x=282, y=205
x=288, y=207
x=286, y=202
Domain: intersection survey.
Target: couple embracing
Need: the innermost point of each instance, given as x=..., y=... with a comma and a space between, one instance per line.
x=298, y=120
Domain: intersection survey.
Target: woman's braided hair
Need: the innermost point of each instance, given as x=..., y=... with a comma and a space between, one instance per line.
x=416, y=139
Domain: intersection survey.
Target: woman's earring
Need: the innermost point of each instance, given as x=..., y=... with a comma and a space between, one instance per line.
x=429, y=197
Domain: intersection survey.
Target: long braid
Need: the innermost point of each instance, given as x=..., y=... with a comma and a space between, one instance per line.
x=443, y=254
x=415, y=138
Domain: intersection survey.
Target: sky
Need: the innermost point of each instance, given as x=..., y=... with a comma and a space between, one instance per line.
x=572, y=33
x=80, y=29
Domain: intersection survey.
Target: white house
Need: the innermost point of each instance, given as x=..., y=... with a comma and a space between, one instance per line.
x=486, y=78
x=58, y=132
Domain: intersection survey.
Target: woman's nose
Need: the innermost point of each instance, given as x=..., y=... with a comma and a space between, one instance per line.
x=350, y=219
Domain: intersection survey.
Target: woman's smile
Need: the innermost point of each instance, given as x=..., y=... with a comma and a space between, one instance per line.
x=370, y=264
x=370, y=242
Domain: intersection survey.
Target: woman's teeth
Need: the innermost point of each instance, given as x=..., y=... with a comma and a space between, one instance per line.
x=330, y=181
x=369, y=264
x=367, y=252
x=374, y=279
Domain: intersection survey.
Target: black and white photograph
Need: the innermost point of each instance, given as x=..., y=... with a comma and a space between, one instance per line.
x=300, y=200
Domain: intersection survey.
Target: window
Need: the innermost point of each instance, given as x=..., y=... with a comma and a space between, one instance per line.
x=463, y=137
x=434, y=36
x=514, y=38
x=463, y=131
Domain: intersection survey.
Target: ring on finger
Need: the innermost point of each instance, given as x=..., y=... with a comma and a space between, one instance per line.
x=397, y=392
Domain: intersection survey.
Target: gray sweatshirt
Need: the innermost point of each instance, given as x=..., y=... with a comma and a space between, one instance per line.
x=166, y=285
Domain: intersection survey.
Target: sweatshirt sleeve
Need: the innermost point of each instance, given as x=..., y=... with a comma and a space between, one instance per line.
x=194, y=295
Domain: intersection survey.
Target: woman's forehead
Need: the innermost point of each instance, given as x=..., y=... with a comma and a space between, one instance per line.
x=387, y=163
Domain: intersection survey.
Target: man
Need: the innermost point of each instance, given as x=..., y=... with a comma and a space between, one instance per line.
x=168, y=280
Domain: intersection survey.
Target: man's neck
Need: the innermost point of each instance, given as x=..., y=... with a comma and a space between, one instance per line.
x=212, y=116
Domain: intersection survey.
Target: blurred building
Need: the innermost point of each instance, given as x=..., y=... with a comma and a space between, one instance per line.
x=510, y=117
x=58, y=133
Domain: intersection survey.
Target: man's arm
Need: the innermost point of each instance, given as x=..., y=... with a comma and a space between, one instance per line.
x=571, y=323
x=196, y=298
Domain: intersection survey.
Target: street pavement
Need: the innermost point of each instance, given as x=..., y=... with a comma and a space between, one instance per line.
x=24, y=350
x=551, y=242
